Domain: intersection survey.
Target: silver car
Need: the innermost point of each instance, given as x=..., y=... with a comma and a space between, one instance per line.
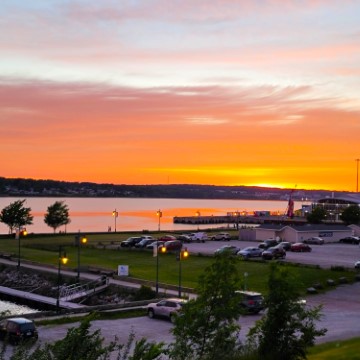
x=167, y=308
x=250, y=252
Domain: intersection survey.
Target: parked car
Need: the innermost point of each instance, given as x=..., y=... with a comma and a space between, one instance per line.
x=221, y=236
x=300, y=247
x=250, y=252
x=350, y=240
x=184, y=238
x=198, y=237
x=285, y=245
x=232, y=249
x=314, y=240
x=131, y=241
x=268, y=244
x=157, y=243
x=357, y=265
x=172, y=245
x=167, y=308
x=252, y=302
x=167, y=238
x=148, y=237
x=18, y=329
x=143, y=243
x=273, y=253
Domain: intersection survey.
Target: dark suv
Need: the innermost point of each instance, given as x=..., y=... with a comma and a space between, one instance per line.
x=252, y=302
x=18, y=329
x=268, y=244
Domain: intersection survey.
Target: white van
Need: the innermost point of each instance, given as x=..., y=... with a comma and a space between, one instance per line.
x=199, y=237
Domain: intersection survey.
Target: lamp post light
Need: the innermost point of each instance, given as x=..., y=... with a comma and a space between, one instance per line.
x=182, y=255
x=61, y=260
x=156, y=253
x=79, y=240
x=115, y=214
x=198, y=216
x=159, y=215
x=237, y=214
x=19, y=232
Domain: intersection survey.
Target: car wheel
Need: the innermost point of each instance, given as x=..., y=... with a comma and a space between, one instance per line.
x=151, y=314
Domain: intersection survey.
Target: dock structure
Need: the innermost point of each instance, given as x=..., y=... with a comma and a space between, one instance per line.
x=241, y=219
x=67, y=294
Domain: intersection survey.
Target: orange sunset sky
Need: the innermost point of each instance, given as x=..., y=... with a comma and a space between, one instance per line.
x=181, y=92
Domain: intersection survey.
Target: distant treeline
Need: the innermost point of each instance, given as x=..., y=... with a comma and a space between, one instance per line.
x=45, y=188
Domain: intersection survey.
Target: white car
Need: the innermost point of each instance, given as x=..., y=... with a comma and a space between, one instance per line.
x=167, y=308
x=199, y=237
x=221, y=236
x=357, y=265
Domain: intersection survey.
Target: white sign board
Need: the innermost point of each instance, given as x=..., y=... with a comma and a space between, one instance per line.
x=123, y=270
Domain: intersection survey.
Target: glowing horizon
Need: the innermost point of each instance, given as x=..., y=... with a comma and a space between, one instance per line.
x=219, y=93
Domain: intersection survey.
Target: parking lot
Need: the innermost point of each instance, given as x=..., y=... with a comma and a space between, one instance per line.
x=334, y=254
x=341, y=308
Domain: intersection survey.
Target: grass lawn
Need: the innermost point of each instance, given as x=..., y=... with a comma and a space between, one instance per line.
x=337, y=350
x=142, y=265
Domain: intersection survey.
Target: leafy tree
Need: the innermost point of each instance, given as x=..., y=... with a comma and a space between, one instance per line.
x=207, y=327
x=57, y=215
x=16, y=215
x=288, y=327
x=317, y=215
x=351, y=215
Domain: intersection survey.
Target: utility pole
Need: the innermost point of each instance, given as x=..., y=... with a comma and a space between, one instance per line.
x=357, y=174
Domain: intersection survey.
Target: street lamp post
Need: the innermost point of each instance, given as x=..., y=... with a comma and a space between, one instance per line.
x=19, y=232
x=115, y=214
x=182, y=255
x=159, y=215
x=198, y=216
x=357, y=174
x=237, y=219
x=156, y=253
x=61, y=260
x=79, y=240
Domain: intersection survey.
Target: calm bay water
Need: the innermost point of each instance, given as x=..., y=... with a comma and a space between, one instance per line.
x=134, y=214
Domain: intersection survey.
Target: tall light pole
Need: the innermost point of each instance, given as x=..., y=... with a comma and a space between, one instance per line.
x=357, y=174
x=115, y=214
x=182, y=255
x=19, y=232
x=237, y=214
x=156, y=253
x=159, y=215
x=198, y=216
x=79, y=240
x=61, y=260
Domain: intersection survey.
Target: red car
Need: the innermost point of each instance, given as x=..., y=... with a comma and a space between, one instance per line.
x=300, y=247
x=167, y=238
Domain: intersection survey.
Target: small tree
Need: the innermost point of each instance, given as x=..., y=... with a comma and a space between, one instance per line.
x=207, y=327
x=288, y=327
x=351, y=215
x=57, y=215
x=16, y=215
x=317, y=215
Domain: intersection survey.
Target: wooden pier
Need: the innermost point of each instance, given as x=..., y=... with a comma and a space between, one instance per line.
x=241, y=219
